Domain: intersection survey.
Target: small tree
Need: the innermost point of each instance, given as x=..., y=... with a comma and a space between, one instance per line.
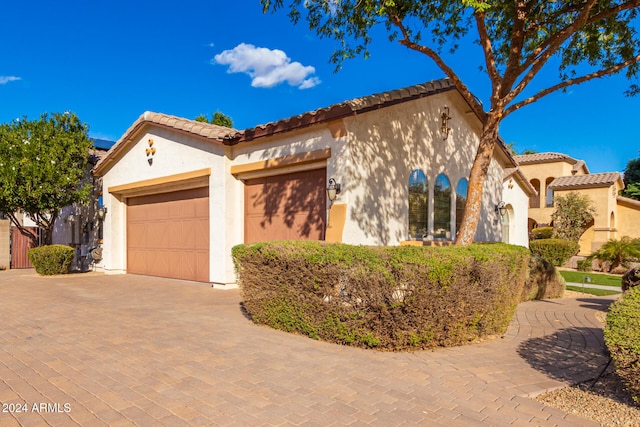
x=573, y=212
x=42, y=163
x=217, y=118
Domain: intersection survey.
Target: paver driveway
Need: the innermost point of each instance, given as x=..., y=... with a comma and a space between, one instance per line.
x=125, y=350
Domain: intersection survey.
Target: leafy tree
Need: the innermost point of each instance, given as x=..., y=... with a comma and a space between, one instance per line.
x=573, y=212
x=42, y=163
x=586, y=40
x=217, y=118
x=632, y=179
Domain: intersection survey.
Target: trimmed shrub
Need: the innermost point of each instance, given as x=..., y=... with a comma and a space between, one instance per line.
x=389, y=298
x=556, y=251
x=622, y=336
x=543, y=280
x=584, y=265
x=541, y=233
x=52, y=259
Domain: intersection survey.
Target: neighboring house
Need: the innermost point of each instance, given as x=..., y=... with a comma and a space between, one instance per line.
x=180, y=194
x=555, y=174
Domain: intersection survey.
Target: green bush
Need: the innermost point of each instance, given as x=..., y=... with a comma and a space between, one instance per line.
x=52, y=259
x=382, y=297
x=622, y=336
x=541, y=233
x=584, y=265
x=556, y=251
x=618, y=252
x=543, y=280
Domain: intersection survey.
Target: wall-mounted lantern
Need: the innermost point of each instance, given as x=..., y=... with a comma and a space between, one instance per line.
x=101, y=213
x=501, y=209
x=333, y=189
x=444, y=123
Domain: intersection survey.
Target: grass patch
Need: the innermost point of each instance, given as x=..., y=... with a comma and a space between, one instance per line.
x=591, y=291
x=596, y=279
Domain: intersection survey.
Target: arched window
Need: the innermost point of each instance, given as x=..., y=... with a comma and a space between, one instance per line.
x=461, y=200
x=534, y=201
x=442, y=208
x=549, y=192
x=418, y=204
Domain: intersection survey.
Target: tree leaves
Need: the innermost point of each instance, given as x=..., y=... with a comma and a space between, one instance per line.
x=42, y=163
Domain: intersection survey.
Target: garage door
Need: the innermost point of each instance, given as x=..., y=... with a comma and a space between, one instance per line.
x=168, y=235
x=286, y=207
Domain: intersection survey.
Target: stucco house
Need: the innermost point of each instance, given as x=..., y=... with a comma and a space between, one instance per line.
x=554, y=174
x=180, y=194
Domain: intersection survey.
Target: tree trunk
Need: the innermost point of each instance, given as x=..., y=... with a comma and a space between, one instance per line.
x=477, y=178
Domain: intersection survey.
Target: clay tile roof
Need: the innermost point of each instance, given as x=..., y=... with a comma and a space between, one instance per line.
x=527, y=159
x=344, y=109
x=593, y=180
x=213, y=133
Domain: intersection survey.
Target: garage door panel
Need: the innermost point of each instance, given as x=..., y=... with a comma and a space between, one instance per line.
x=286, y=207
x=168, y=235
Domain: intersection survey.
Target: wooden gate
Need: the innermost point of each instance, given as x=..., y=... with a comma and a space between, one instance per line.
x=20, y=244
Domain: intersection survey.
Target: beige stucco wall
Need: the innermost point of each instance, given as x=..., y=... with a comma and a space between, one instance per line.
x=5, y=242
x=386, y=145
x=517, y=203
x=628, y=221
x=175, y=153
x=543, y=172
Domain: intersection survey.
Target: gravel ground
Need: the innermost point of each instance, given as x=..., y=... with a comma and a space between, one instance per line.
x=607, y=402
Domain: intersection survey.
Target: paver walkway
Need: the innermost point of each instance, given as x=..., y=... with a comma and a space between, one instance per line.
x=132, y=350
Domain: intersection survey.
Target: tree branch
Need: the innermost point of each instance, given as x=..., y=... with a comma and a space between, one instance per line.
x=517, y=42
x=540, y=56
x=572, y=82
x=476, y=106
x=489, y=58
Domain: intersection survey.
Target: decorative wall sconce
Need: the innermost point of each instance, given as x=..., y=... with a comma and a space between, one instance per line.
x=501, y=209
x=101, y=213
x=444, y=125
x=333, y=189
x=151, y=151
x=71, y=218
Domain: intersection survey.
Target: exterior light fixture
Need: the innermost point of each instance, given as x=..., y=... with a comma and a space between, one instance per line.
x=501, y=208
x=101, y=213
x=333, y=189
x=71, y=218
x=444, y=126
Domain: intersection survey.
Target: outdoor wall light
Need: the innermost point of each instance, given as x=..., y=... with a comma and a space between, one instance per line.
x=101, y=213
x=501, y=208
x=71, y=218
x=333, y=189
x=444, y=126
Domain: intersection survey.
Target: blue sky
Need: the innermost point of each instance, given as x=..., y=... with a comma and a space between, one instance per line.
x=110, y=61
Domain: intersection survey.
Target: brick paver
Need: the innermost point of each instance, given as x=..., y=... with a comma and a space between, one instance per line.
x=93, y=349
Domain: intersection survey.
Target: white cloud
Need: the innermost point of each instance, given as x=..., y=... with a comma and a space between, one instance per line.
x=267, y=67
x=7, y=79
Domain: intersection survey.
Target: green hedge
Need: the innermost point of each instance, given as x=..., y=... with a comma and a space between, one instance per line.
x=541, y=233
x=556, y=251
x=382, y=297
x=52, y=259
x=622, y=336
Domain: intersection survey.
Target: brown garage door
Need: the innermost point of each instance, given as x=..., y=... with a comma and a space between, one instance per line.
x=168, y=235
x=286, y=207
